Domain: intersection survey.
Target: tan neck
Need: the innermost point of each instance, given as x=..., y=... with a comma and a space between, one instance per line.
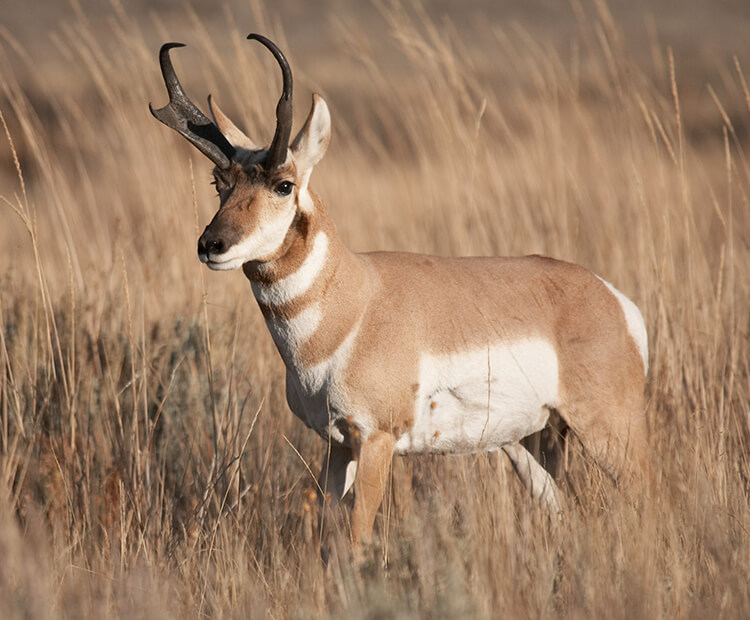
x=314, y=292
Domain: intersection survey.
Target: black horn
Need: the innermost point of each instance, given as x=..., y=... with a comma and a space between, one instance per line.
x=278, y=148
x=183, y=116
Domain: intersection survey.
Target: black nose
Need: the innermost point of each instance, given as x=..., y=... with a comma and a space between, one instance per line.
x=208, y=245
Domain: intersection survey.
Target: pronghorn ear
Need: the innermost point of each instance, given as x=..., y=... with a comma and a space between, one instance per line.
x=231, y=132
x=312, y=140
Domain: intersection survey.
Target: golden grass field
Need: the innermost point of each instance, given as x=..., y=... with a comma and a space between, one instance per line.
x=149, y=465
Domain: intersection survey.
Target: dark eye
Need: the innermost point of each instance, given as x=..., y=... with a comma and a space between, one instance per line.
x=284, y=188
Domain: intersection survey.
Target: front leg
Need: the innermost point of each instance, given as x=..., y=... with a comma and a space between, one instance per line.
x=335, y=479
x=374, y=456
x=338, y=473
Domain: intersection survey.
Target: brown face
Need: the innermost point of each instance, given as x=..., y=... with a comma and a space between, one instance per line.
x=260, y=189
x=257, y=208
x=259, y=202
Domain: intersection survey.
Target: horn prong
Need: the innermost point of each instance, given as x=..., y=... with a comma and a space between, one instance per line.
x=229, y=130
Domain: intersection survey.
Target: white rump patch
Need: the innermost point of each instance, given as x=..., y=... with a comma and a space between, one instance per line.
x=298, y=283
x=634, y=320
x=259, y=244
x=482, y=399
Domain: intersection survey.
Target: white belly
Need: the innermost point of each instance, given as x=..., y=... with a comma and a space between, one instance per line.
x=482, y=399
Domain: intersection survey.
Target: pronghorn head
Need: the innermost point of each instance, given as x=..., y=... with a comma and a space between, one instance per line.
x=261, y=190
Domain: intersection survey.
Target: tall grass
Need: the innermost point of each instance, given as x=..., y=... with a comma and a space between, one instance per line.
x=150, y=467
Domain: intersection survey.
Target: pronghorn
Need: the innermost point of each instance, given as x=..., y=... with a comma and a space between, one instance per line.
x=395, y=353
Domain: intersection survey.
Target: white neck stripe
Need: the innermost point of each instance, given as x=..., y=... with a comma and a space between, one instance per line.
x=298, y=283
x=291, y=334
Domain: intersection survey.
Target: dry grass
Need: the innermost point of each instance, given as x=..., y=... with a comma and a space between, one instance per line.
x=149, y=465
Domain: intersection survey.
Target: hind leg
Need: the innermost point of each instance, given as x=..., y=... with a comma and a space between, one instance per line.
x=539, y=483
x=618, y=443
